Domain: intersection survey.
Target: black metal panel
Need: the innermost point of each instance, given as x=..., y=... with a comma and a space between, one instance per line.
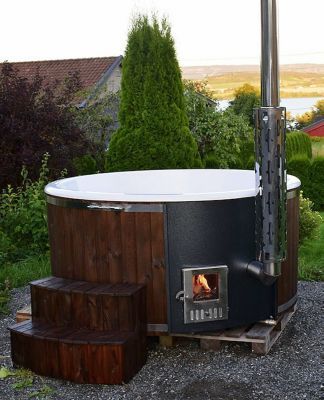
x=216, y=233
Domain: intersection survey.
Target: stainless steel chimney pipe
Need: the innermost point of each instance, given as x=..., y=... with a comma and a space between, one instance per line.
x=271, y=178
x=269, y=55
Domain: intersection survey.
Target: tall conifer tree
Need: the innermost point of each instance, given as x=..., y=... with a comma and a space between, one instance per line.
x=154, y=131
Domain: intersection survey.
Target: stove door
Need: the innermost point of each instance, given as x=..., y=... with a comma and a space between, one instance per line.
x=205, y=294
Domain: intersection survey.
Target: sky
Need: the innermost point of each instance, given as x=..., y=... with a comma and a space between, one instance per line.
x=206, y=32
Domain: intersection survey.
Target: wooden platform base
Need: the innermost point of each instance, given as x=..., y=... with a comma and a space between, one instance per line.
x=261, y=335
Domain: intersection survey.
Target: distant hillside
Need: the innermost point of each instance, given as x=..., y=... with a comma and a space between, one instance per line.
x=297, y=80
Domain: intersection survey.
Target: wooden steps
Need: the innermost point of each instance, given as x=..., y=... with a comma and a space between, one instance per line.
x=108, y=307
x=78, y=355
x=83, y=332
x=261, y=335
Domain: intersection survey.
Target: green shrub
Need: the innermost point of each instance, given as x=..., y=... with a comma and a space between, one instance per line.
x=24, y=218
x=317, y=183
x=211, y=161
x=85, y=165
x=298, y=144
x=154, y=131
x=300, y=167
x=309, y=220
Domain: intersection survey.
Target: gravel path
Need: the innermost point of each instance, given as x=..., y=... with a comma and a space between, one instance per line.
x=293, y=370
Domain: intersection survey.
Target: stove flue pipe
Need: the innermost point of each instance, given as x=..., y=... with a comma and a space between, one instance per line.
x=270, y=169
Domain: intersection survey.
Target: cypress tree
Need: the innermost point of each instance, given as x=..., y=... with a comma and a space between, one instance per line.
x=154, y=131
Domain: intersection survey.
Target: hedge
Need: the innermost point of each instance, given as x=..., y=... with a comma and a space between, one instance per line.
x=317, y=183
x=298, y=144
x=311, y=175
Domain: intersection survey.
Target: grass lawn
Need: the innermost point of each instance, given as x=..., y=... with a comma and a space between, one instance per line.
x=311, y=257
x=22, y=272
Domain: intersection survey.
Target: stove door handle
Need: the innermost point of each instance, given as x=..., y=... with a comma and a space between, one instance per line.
x=180, y=295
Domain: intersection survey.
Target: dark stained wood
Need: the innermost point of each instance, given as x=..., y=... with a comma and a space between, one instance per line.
x=115, y=248
x=102, y=247
x=159, y=298
x=287, y=282
x=111, y=247
x=79, y=304
x=129, y=255
x=144, y=259
x=80, y=356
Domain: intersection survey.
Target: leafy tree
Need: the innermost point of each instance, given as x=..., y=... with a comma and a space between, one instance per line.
x=154, y=130
x=310, y=116
x=246, y=98
x=34, y=119
x=97, y=118
x=221, y=135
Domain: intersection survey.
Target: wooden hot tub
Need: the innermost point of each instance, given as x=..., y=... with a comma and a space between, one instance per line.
x=130, y=253
x=118, y=227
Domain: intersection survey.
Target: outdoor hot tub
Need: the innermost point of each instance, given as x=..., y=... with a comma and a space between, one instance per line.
x=187, y=235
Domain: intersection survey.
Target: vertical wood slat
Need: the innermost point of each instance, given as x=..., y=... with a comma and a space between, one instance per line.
x=115, y=247
x=158, y=267
x=144, y=258
x=287, y=281
x=129, y=254
x=102, y=245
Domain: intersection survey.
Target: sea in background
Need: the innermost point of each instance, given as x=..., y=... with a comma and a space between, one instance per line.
x=293, y=105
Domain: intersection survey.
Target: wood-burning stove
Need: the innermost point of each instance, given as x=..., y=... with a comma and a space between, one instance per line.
x=204, y=294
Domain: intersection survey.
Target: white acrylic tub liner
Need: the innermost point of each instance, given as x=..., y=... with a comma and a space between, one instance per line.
x=161, y=185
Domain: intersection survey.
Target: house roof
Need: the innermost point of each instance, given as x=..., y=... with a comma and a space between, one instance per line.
x=91, y=70
x=314, y=125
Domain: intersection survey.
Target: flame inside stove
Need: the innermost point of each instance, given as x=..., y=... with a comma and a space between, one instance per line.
x=200, y=284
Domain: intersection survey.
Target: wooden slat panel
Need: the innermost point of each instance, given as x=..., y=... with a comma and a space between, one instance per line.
x=287, y=282
x=111, y=247
x=115, y=248
x=102, y=245
x=158, y=269
x=144, y=259
x=91, y=221
x=128, y=235
x=77, y=244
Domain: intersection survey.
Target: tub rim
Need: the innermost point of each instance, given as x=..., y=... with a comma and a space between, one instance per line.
x=58, y=195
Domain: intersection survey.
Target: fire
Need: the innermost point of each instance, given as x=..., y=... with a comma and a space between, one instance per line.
x=199, y=283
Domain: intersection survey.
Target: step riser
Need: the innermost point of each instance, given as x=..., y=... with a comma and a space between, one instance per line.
x=90, y=309
x=80, y=363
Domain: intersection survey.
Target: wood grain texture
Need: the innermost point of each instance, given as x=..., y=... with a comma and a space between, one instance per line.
x=99, y=307
x=80, y=356
x=111, y=247
x=287, y=281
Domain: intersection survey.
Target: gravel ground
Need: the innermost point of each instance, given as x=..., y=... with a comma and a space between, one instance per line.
x=293, y=370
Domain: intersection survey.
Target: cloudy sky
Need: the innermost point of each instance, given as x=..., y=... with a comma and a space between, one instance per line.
x=206, y=32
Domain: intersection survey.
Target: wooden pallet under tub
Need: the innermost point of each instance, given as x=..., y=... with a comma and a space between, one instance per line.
x=262, y=335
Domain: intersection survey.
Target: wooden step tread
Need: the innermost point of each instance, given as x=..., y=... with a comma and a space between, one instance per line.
x=78, y=304
x=78, y=355
x=69, y=285
x=71, y=335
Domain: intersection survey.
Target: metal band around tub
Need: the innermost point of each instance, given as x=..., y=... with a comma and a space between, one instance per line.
x=104, y=206
x=292, y=193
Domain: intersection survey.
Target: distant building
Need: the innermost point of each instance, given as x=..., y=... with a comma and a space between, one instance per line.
x=94, y=73
x=316, y=128
x=97, y=76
